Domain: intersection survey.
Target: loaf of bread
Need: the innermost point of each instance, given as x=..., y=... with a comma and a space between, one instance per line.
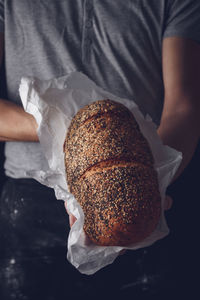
x=110, y=171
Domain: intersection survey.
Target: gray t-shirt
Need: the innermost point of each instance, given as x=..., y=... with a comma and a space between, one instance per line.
x=116, y=43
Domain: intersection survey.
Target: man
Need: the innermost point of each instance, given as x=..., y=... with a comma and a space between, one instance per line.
x=142, y=50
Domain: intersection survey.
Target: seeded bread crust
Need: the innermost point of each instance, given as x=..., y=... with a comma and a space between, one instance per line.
x=109, y=169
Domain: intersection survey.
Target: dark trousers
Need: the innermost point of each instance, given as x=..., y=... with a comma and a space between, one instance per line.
x=33, y=245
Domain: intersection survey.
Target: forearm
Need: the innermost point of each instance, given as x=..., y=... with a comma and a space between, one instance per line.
x=16, y=124
x=180, y=130
x=180, y=122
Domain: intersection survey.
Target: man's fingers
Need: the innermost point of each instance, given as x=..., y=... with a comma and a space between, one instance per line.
x=168, y=203
x=65, y=203
x=122, y=252
x=72, y=219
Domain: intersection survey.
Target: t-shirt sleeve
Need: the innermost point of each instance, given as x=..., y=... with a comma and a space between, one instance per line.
x=1, y=15
x=183, y=19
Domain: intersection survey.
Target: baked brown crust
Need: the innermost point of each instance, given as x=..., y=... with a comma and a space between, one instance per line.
x=109, y=169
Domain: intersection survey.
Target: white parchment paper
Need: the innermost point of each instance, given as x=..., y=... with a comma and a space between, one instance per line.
x=53, y=103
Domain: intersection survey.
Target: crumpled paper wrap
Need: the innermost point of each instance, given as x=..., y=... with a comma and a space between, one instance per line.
x=53, y=103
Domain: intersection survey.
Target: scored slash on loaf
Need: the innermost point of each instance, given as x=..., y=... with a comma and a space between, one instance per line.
x=110, y=171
